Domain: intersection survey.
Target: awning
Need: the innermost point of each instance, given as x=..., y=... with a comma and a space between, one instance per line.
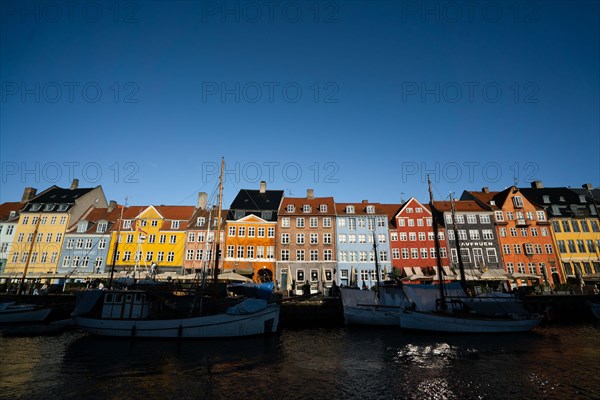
x=493, y=275
x=518, y=275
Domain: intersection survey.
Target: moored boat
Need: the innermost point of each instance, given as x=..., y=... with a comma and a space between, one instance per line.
x=12, y=312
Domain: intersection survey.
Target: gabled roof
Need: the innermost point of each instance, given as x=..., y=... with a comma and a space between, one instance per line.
x=255, y=201
x=484, y=199
x=205, y=213
x=391, y=210
x=6, y=208
x=56, y=195
x=561, y=201
x=459, y=206
x=97, y=215
x=314, y=203
x=408, y=202
x=360, y=209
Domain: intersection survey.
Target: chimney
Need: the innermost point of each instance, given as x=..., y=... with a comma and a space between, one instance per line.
x=202, y=200
x=365, y=201
x=537, y=185
x=263, y=186
x=75, y=184
x=28, y=194
x=587, y=186
x=485, y=189
x=112, y=205
x=310, y=193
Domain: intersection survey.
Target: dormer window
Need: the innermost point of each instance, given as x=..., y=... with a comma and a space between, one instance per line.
x=12, y=214
x=35, y=207
x=200, y=221
x=492, y=202
x=127, y=224
x=290, y=208
x=306, y=208
x=239, y=214
x=350, y=209
x=174, y=224
x=49, y=207
x=63, y=207
x=102, y=227
x=370, y=209
x=323, y=208
x=582, y=199
x=562, y=199
x=266, y=214
x=546, y=199
x=518, y=201
x=82, y=226
x=143, y=223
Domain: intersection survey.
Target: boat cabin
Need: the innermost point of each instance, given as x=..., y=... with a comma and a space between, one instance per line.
x=126, y=305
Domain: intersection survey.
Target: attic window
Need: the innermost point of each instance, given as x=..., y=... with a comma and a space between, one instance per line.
x=239, y=214
x=306, y=208
x=49, y=207
x=323, y=208
x=562, y=199
x=82, y=226
x=492, y=202
x=350, y=209
x=290, y=208
x=127, y=224
x=582, y=199
x=200, y=221
x=370, y=209
x=102, y=227
x=174, y=224
x=12, y=214
x=63, y=207
x=35, y=207
x=518, y=201
x=266, y=214
x=546, y=199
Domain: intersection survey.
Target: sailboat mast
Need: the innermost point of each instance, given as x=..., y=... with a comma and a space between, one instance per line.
x=376, y=259
x=114, y=260
x=436, y=240
x=218, y=230
x=461, y=266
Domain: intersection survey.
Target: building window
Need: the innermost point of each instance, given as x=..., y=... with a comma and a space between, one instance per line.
x=566, y=226
x=199, y=254
x=539, y=249
x=528, y=248
x=517, y=248
x=300, y=238
x=173, y=239
x=506, y=248
x=474, y=234
x=160, y=256
x=240, y=252
x=299, y=222
x=241, y=231
x=250, y=252
x=414, y=253
x=327, y=238
x=313, y=222
x=488, y=234
x=285, y=222
x=88, y=243
x=299, y=255
x=251, y=231
x=424, y=253
x=314, y=238
x=518, y=201
x=541, y=216
x=151, y=238
x=534, y=231
x=290, y=208
x=404, y=254
x=170, y=256
x=572, y=248
x=306, y=208
x=162, y=239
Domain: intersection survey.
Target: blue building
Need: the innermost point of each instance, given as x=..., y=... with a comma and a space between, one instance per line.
x=85, y=248
x=362, y=231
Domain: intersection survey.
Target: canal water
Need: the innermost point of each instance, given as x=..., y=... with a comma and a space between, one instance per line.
x=552, y=362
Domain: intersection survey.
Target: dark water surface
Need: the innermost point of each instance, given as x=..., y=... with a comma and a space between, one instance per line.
x=553, y=362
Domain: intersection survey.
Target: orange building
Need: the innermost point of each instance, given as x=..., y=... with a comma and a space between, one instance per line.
x=249, y=247
x=524, y=235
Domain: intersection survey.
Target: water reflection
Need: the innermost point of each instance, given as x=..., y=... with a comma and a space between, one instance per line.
x=339, y=363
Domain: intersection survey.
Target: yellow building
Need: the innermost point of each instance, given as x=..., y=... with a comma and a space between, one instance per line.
x=575, y=225
x=151, y=235
x=43, y=221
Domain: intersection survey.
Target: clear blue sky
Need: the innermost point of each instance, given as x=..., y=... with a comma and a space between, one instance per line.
x=360, y=98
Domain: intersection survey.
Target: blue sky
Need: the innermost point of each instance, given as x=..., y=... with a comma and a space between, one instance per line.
x=357, y=100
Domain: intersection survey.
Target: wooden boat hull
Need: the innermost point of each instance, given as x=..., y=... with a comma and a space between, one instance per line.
x=439, y=322
x=210, y=326
x=24, y=313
